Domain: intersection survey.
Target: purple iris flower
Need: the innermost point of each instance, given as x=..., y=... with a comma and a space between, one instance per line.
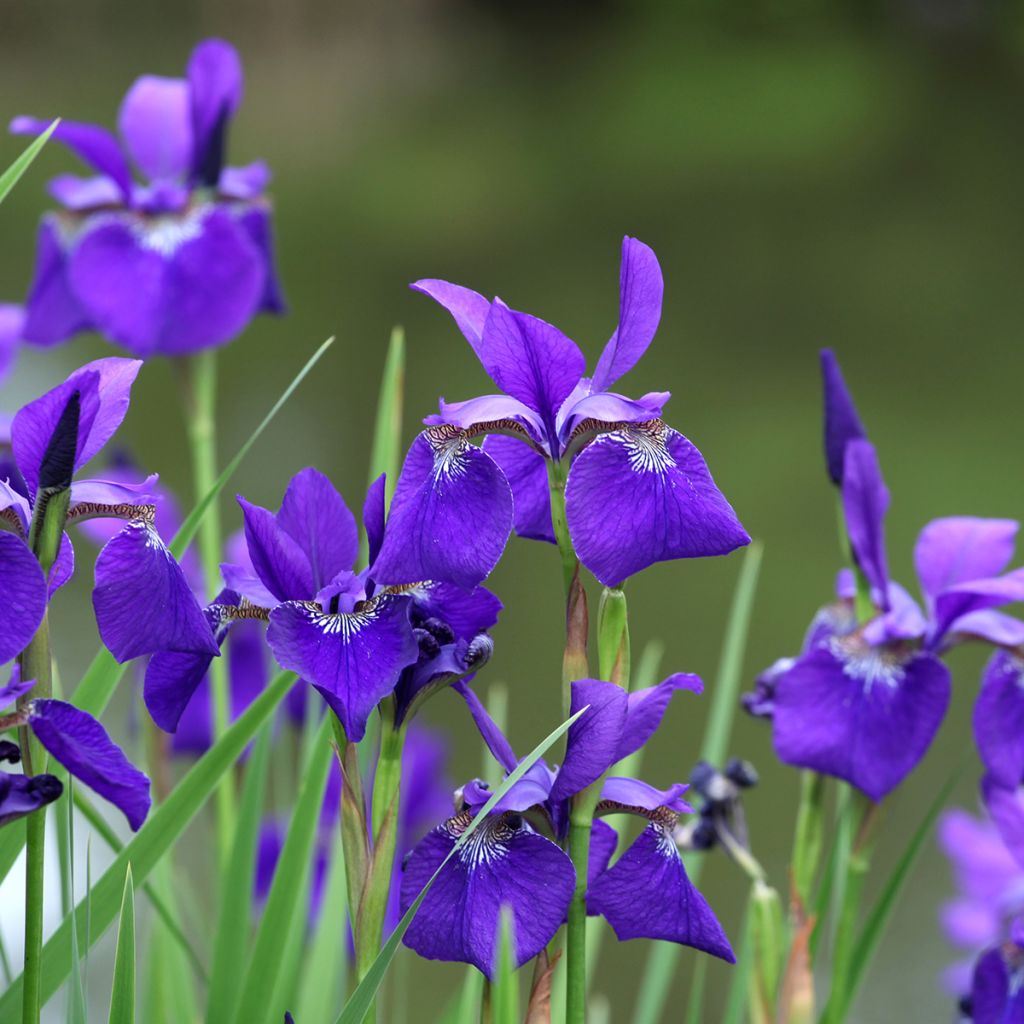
x=997, y=986
x=141, y=599
x=510, y=861
x=75, y=739
x=355, y=642
x=637, y=492
x=864, y=700
x=174, y=265
x=990, y=891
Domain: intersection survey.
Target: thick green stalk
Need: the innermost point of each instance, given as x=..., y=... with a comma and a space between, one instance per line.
x=36, y=663
x=200, y=401
x=807, y=840
x=580, y=824
x=388, y=776
x=556, y=485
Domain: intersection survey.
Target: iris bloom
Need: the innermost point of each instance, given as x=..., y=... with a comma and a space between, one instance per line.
x=12, y=329
x=178, y=263
x=997, y=987
x=510, y=861
x=354, y=642
x=637, y=491
x=75, y=739
x=864, y=699
x=141, y=599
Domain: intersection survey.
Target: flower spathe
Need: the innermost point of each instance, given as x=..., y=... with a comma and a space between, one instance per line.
x=179, y=263
x=636, y=492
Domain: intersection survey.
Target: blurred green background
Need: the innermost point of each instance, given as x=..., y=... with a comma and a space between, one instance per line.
x=808, y=173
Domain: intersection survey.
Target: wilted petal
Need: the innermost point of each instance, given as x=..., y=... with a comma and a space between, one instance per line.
x=24, y=589
x=468, y=308
x=143, y=602
x=505, y=864
x=156, y=126
x=445, y=483
x=594, y=737
x=215, y=86
x=82, y=745
x=842, y=424
x=527, y=474
x=999, y=719
x=316, y=517
x=646, y=708
x=864, y=715
x=354, y=660
x=865, y=501
x=640, y=293
x=647, y=895
x=642, y=495
x=91, y=143
x=959, y=549
x=173, y=286
x=22, y=794
x=53, y=312
x=104, y=390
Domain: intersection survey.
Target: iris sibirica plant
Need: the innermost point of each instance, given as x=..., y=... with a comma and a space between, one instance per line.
x=294, y=674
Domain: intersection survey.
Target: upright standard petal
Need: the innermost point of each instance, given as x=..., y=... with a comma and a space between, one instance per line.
x=23, y=794
x=316, y=517
x=83, y=746
x=842, y=424
x=959, y=549
x=527, y=474
x=862, y=714
x=643, y=494
x=374, y=517
x=89, y=142
x=280, y=563
x=505, y=865
x=143, y=602
x=450, y=517
x=103, y=388
x=646, y=708
x=640, y=293
x=999, y=719
x=53, y=312
x=23, y=586
x=468, y=308
x=354, y=660
x=647, y=895
x=215, y=85
x=155, y=123
x=865, y=502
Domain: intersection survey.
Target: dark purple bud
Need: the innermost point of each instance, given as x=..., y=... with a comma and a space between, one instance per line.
x=10, y=752
x=439, y=629
x=428, y=643
x=704, y=836
x=58, y=465
x=701, y=777
x=479, y=652
x=743, y=773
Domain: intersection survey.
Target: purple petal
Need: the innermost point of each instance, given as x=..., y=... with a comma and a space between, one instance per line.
x=353, y=660
x=374, y=516
x=984, y=868
x=143, y=602
x=842, y=424
x=445, y=483
x=104, y=389
x=647, y=895
x=82, y=194
x=316, y=517
x=467, y=307
x=243, y=582
x=646, y=708
x=172, y=286
x=53, y=311
x=256, y=220
x=215, y=85
x=63, y=567
x=868, y=717
x=17, y=520
x=640, y=292
x=89, y=142
x=996, y=994
x=83, y=746
x=603, y=841
x=16, y=687
x=903, y=621
x=606, y=407
x=963, y=599
x=865, y=501
x=642, y=495
x=467, y=612
x=12, y=325
x=426, y=791
x=593, y=738
x=245, y=183
x=999, y=719
x=22, y=794
x=485, y=412
x=24, y=588
x=995, y=627
x=527, y=475
x=278, y=559
x=634, y=793
x=531, y=360
x=493, y=737
x=155, y=123
x=1005, y=805
x=116, y=492
x=505, y=864
x=960, y=549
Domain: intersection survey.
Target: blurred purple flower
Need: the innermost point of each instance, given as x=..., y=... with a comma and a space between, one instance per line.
x=12, y=329
x=180, y=263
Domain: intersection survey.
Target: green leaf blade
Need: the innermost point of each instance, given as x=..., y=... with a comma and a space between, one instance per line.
x=10, y=177
x=122, y=993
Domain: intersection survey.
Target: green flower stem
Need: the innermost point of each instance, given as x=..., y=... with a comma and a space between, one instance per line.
x=807, y=840
x=36, y=663
x=200, y=399
x=556, y=484
x=613, y=637
x=581, y=820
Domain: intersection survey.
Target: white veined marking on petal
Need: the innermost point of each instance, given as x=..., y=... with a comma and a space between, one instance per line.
x=345, y=624
x=869, y=665
x=666, y=843
x=167, y=234
x=646, y=448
